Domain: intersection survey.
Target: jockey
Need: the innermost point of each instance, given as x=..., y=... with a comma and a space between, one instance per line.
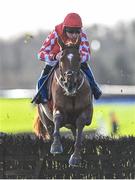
x=69, y=30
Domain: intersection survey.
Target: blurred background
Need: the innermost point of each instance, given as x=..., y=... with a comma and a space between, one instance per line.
x=110, y=27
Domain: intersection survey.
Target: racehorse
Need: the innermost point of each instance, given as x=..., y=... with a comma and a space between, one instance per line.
x=72, y=103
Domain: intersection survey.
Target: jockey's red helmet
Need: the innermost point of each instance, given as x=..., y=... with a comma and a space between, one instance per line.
x=72, y=20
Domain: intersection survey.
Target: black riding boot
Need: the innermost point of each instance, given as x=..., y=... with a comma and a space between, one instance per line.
x=95, y=89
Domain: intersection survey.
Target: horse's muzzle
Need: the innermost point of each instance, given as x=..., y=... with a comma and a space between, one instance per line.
x=70, y=83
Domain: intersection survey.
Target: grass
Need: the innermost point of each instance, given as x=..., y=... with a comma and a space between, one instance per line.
x=125, y=115
x=16, y=116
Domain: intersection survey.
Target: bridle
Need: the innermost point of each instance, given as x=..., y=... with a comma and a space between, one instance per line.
x=63, y=77
x=62, y=84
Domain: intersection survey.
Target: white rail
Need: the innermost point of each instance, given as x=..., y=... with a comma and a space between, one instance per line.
x=17, y=93
x=118, y=90
x=107, y=90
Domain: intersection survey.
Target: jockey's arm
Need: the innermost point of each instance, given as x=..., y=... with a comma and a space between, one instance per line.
x=84, y=48
x=45, y=53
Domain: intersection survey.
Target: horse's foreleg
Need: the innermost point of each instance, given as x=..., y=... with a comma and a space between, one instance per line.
x=84, y=119
x=56, y=146
x=75, y=158
x=73, y=129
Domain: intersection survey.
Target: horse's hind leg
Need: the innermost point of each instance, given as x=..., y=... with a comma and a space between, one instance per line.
x=56, y=146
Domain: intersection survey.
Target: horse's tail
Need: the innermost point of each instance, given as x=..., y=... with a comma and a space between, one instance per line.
x=38, y=127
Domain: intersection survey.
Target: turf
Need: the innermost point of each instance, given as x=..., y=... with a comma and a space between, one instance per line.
x=16, y=116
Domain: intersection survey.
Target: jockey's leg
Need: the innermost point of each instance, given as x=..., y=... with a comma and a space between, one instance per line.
x=95, y=88
x=43, y=93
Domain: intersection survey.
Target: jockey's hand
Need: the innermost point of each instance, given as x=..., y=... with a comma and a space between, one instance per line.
x=59, y=55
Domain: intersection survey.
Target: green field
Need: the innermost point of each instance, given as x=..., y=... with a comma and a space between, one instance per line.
x=16, y=115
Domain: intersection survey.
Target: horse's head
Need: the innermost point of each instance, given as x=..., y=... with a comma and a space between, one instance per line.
x=70, y=67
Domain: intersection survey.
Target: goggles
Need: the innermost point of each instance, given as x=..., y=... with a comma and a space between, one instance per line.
x=72, y=31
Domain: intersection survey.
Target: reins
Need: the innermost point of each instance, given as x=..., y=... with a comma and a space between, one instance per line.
x=60, y=82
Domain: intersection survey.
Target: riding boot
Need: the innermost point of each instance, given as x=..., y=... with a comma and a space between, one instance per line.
x=94, y=86
x=43, y=95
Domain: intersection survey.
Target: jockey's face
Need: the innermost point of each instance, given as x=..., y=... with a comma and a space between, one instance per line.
x=72, y=35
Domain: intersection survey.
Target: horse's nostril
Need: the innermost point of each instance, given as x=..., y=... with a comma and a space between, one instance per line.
x=65, y=83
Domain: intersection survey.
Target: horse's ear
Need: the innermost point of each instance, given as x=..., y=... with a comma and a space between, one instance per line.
x=61, y=43
x=77, y=43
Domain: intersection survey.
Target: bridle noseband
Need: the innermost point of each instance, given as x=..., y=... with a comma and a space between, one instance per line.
x=62, y=84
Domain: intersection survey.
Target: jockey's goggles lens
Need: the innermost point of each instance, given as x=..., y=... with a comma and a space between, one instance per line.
x=72, y=31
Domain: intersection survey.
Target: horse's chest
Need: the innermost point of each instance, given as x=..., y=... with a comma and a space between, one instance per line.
x=74, y=105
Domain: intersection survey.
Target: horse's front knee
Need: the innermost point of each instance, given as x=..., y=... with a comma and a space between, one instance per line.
x=57, y=116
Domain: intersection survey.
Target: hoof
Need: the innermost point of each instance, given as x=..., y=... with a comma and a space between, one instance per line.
x=56, y=149
x=75, y=160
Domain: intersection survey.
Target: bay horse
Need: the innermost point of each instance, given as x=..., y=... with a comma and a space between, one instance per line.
x=72, y=103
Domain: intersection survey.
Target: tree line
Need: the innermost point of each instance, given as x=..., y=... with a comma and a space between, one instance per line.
x=112, y=62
